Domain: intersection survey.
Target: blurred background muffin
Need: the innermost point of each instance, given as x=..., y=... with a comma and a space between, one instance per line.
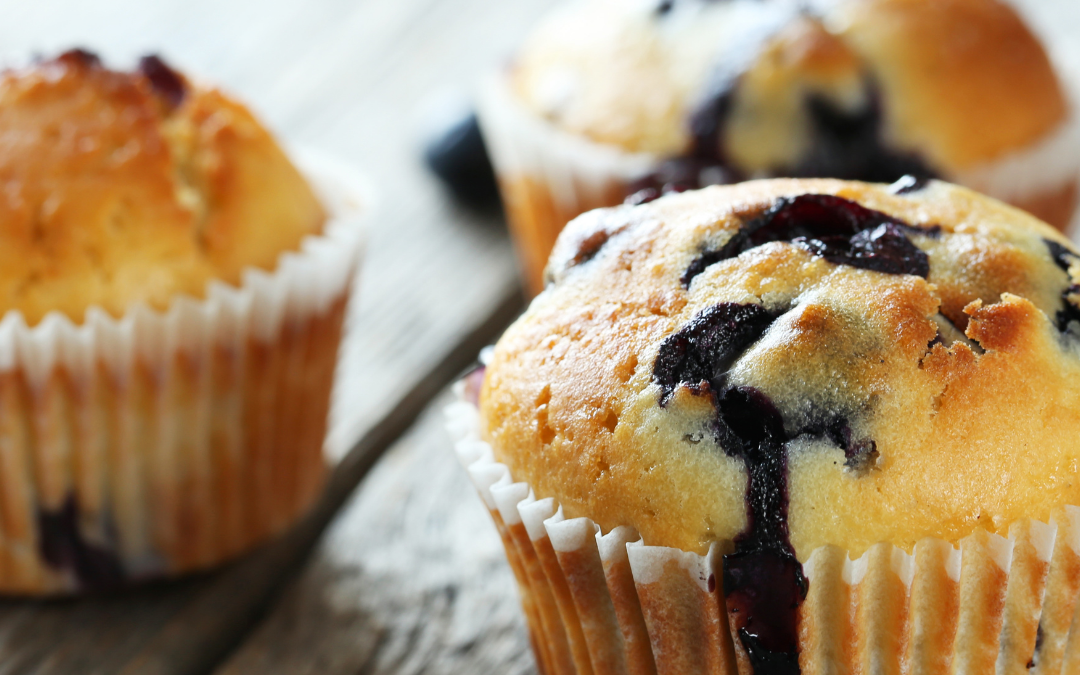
x=135, y=187
x=172, y=291
x=842, y=413
x=607, y=100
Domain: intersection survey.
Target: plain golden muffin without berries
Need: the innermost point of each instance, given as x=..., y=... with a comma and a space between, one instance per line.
x=835, y=362
x=125, y=187
x=172, y=298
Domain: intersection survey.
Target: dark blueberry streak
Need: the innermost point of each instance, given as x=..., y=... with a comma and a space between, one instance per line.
x=850, y=145
x=837, y=229
x=1064, y=258
x=763, y=581
x=882, y=249
x=699, y=355
x=64, y=548
x=750, y=427
x=707, y=161
x=860, y=455
x=844, y=144
x=707, y=122
x=764, y=588
x=166, y=82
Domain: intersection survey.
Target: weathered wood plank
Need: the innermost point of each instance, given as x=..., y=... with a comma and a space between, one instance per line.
x=411, y=578
x=202, y=631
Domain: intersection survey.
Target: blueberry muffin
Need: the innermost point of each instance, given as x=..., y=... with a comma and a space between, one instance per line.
x=840, y=417
x=172, y=291
x=609, y=99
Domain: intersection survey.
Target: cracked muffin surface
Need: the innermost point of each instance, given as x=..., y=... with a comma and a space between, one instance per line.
x=126, y=187
x=807, y=361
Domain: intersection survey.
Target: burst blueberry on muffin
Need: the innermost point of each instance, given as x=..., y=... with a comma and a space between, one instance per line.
x=172, y=292
x=841, y=417
x=609, y=99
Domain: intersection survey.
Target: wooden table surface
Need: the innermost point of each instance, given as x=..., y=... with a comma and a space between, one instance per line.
x=409, y=575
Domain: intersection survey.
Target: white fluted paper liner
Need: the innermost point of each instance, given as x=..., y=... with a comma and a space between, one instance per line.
x=163, y=441
x=525, y=143
x=608, y=603
x=549, y=176
x=1046, y=166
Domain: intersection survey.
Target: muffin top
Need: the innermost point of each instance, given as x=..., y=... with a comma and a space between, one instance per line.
x=118, y=188
x=795, y=363
x=866, y=89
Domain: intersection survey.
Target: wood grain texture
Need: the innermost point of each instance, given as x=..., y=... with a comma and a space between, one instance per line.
x=411, y=578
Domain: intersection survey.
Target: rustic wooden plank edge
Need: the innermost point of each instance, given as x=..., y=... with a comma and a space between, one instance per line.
x=221, y=617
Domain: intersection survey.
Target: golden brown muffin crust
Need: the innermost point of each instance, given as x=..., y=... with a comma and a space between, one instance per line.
x=966, y=80
x=969, y=430
x=118, y=188
x=962, y=82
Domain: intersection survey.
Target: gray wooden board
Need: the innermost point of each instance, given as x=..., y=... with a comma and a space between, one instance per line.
x=410, y=578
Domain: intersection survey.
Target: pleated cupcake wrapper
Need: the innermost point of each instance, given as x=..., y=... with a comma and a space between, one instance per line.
x=548, y=176
x=607, y=603
x=1049, y=164
x=165, y=441
x=1045, y=167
